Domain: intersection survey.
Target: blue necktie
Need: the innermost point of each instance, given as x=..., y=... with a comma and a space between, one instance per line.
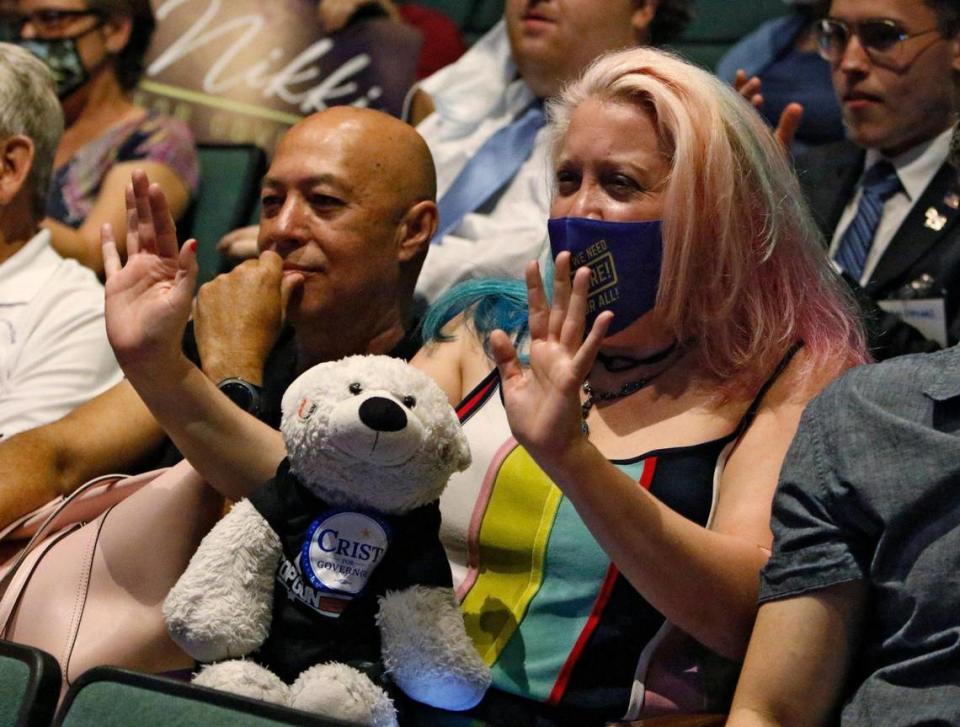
x=489, y=170
x=879, y=184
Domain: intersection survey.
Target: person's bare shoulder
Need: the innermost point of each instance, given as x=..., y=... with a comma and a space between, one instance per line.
x=456, y=361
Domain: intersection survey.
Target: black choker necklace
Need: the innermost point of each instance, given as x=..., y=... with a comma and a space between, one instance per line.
x=630, y=387
x=618, y=364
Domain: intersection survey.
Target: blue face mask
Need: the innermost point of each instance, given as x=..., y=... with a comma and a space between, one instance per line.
x=61, y=57
x=624, y=260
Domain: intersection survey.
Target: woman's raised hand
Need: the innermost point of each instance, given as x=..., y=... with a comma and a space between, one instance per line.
x=543, y=399
x=148, y=300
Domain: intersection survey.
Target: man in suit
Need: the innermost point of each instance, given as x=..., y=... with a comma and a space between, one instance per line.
x=896, y=237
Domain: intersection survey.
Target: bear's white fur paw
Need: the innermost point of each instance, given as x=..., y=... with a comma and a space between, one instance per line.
x=427, y=651
x=245, y=678
x=341, y=692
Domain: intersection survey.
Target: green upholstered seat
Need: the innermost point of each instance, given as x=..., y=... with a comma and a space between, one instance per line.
x=230, y=177
x=721, y=23
x=29, y=686
x=110, y=697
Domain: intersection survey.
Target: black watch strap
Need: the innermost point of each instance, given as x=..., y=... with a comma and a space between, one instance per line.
x=242, y=393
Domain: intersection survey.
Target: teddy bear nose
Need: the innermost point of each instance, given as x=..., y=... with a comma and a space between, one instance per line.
x=382, y=414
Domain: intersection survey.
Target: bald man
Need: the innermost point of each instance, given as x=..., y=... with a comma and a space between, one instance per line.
x=347, y=214
x=347, y=209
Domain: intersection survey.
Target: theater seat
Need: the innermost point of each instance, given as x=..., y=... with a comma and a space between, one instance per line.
x=29, y=686
x=110, y=697
x=721, y=23
x=230, y=177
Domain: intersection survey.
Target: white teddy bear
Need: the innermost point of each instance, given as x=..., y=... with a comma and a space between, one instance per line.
x=332, y=576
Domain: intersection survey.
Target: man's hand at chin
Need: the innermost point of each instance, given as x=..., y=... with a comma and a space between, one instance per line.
x=238, y=317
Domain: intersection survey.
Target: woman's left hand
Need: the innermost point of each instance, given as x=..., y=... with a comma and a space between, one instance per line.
x=543, y=399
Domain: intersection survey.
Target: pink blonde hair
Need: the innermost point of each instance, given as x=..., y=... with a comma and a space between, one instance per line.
x=745, y=273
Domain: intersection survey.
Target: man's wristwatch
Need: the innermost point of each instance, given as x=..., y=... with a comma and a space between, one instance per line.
x=242, y=393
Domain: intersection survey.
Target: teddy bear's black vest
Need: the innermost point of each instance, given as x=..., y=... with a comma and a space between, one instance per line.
x=312, y=625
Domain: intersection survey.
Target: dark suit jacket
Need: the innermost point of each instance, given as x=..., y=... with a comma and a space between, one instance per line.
x=920, y=262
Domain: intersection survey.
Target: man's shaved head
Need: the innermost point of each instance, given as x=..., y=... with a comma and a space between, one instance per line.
x=381, y=147
x=349, y=203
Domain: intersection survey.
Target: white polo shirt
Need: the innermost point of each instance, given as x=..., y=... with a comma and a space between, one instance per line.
x=54, y=353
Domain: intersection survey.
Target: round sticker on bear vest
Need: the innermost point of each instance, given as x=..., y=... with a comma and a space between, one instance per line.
x=342, y=549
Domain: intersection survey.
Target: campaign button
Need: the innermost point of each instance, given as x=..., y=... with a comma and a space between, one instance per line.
x=342, y=549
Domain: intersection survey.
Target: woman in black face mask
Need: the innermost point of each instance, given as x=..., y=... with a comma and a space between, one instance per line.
x=95, y=50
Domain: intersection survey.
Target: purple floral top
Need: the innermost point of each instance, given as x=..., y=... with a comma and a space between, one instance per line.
x=152, y=137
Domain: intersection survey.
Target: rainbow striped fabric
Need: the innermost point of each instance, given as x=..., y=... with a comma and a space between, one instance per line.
x=545, y=607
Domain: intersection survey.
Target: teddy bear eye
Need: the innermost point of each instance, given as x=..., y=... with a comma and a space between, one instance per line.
x=409, y=401
x=355, y=388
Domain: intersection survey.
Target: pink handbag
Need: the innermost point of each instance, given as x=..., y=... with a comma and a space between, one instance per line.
x=89, y=578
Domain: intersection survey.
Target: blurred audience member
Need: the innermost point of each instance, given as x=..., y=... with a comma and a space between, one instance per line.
x=781, y=61
x=442, y=41
x=95, y=49
x=54, y=353
x=885, y=199
x=859, y=601
x=487, y=130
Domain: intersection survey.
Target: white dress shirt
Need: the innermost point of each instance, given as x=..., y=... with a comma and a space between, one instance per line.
x=916, y=168
x=474, y=98
x=54, y=353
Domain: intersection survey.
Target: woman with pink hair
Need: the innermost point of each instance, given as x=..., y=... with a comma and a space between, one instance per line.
x=606, y=542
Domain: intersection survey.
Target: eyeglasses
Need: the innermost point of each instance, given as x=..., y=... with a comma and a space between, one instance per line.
x=882, y=39
x=46, y=22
